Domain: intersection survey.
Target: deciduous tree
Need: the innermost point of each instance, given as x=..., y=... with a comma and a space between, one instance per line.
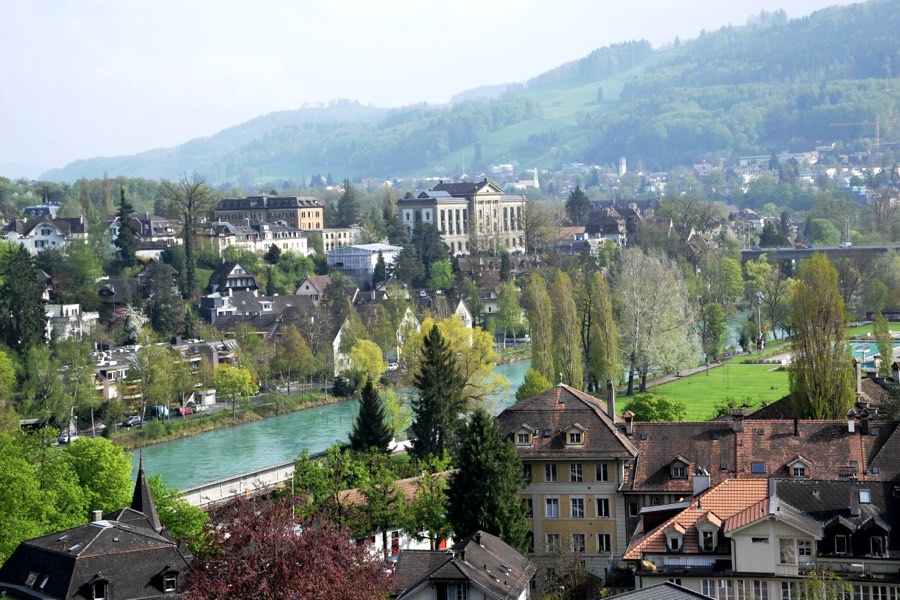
x=540, y=317
x=426, y=515
x=533, y=384
x=367, y=359
x=190, y=199
x=566, y=332
x=233, y=383
x=885, y=343
x=650, y=407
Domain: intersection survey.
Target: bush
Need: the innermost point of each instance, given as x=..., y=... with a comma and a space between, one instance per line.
x=343, y=386
x=153, y=430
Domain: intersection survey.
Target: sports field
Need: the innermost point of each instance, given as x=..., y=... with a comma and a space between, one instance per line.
x=701, y=392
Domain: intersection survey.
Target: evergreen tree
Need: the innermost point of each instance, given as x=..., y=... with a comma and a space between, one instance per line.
x=128, y=237
x=821, y=373
x=380, y=273
x=484, y=491
x=272, y=254
x=505, y=267
x=22, y=318
x=578, y=206
x=439, y=400
x=372, y=429
x=348, y=206
x=164, y=306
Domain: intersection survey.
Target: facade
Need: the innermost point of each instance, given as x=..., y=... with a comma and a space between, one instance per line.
x=338, y=237
x=155, y=233
x=230, y=277
x=358, y=262
x=297, y=212
x=45, y=232
x=258, y=236
x=576, y=457
x=313, y=287
x=478, y=567
x=68, y=321
x=471, y=217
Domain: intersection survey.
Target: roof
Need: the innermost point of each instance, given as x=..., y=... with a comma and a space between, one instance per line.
x=773, y=507
x=482, y=559
x=725, y=500
x=66, y=226
x=661, y=591
x=319, y=282
x=553, y=412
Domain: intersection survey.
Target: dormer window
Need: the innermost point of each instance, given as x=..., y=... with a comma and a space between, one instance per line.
x=798, y=467
x=675, y=538
x=799, y=470
x=679, y=472
x=574, y=438
x=575, y=435
x=523, y=439
x=170, y=582
x=707, y=540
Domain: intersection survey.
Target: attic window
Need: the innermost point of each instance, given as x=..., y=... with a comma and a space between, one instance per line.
x=523, y=438
x=865, y=496
x=643, y=436
x=723, y=466
x=854, y=464
x=875, y=470
x=546, y=433
x=575, y=438
x=760, y=431
x=679, y=471
x=170, y=582
x=758, y=468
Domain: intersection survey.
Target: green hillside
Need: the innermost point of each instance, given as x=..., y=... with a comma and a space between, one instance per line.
x=771, y=84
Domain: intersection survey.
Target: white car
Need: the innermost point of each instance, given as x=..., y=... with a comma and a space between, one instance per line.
x=66, y=437
x=392, y=366
x=846, y=244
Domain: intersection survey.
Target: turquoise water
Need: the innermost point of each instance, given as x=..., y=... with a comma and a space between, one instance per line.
x=226, y=452
x=866, y=351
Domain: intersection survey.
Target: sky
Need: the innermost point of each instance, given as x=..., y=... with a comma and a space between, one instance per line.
x=86, y=78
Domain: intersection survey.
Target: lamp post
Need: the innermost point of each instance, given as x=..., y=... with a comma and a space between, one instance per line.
x=759, y=340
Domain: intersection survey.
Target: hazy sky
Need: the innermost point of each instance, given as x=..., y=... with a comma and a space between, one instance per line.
x=85, y=78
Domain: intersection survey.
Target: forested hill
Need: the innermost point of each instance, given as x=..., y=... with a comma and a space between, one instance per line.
x=769, y=85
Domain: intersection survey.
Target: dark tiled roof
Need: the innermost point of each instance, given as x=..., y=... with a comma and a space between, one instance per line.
x=780, y=409
x=556, y=410
x=662, y=591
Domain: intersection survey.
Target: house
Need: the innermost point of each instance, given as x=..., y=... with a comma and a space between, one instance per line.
x=68, y=321
x=230, y=277
x=478, y=566
x=576, y=458
x=155, y=234
x=358, y=261
x=338, y=237
x=125, y=555
x=45, y=232
x=298, y=212
x=258, y=237
x=377, y=322
x=313, y=287
x=45, y=209
x=470, y=217
x=661, y=591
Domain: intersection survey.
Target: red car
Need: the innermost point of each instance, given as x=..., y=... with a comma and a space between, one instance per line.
x=183, y=411
x=799, y=247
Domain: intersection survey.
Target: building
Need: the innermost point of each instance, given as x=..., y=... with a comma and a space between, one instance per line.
x=155, y=234
x=298, y=212
x=358, y=262
x=45, y=209
x=45, y=232
x=471, y=217
x=258, y=237
x=480, y=566
x=313, y=287
x=338, y=237
x=230, y=277
x=68, y=321
x=126, y=555
x=576, y=457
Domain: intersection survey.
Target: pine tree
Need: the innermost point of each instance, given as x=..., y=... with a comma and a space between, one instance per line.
x=439, y=400
x=380, y=273
x=484, y=491
x=578, y=206
x=372, y=428
x=348, y=206
x=128, y=237
x=22, y=318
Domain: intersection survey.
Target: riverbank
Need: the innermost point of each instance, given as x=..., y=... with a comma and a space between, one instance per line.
x=157, y=432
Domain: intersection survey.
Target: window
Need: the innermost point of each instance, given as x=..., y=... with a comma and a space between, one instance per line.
x=603, y=507
x=170, y=582
x=602, y=472
x=679, y=472
x=604, y=542
x=457, y=591
x=789, y=591
x=575, y=437
x=759, y=540
x=577, y=511
x=674, y=543
x=550, y=472
x=708, y=540
x=523, y=439
x=840, y=544
x=865, y=496
x=876, y=545
x=804, y=548
x=529, y=506
x=552, y=542
x=758, y=468
x=578, y=543
x=633, y=509
x=551, y=508
x=787, y=551
x=98, y=588
x=799, y=470
x=526, y=468
x=575, y=473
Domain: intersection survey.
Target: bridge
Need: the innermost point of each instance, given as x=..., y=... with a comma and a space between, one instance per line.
x=794, y=255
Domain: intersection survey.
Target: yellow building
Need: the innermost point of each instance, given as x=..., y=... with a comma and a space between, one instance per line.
x=299, y=213
x=575, y=456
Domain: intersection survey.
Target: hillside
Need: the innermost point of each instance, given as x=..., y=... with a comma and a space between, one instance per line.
x=771, y=84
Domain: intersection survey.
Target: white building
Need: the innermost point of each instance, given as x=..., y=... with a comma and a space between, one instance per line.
x=38, y=234
x=68, y=321
x=358, y=262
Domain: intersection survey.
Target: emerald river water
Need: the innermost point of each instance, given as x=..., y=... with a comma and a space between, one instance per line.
x=223, y=453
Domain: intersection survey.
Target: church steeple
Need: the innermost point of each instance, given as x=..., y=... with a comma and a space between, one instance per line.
x=142, y=499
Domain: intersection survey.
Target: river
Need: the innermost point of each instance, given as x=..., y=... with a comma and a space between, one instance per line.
x=222, y=453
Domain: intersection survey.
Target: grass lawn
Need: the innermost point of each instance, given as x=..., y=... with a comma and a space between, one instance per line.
x=703, y=391
x=862, y=330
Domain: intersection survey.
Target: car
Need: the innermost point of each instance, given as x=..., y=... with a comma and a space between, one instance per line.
x=756, y=249
x=392, y=366
x=810, y=247
x=423, y=294
x=846, y=245
x=799, y=246
x=67, y=437
x=183, y=411
x=132, y=421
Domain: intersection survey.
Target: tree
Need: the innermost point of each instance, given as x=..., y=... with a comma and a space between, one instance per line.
x=770, y=237
x=293, y=359
x=540, y=317
x=822, y=231
x=884, y=341
x=267, y=552
x=385, y=500
x=442, y=277
x=380, y=273
x=533, y=384
x=408, y=266
x=348, y=206
x=711, y=329
x=509, y=313
x=322, y=484
x=129, y=234
x=578, y=206
x=367, y=359
x=566, y=333
x=439, y=398
x=104, y=472
x=821, y=373
x=163, y=305
x=398, y=411
x=184, y=521
x=191, y=198
x=650, y=407
x=233, y=382
x=43, y=394
x=22, y=317
x=426, y=515
x=371, y=428
x=484, y=490
x=155, y=377
x=602, y=350
x=505, y=266
x=272, y=254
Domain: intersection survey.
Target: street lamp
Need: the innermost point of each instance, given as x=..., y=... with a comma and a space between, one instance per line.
x=759, y=340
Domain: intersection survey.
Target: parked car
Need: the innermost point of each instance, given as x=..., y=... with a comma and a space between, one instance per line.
x=160, y=412
x=132, y=421
x=810, y=247
x=67, y=437
x=392, y=366
x=846, y=244
x=799, y=246
x=423, y=294
x=183, y=411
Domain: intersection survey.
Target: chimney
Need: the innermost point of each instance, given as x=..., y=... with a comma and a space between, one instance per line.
x=96, y=515
x=858, y=364
x=796, y=427
x=854, y=502
x=629, y=422
x=477, y=538
x=851, y=421
x=737, y=420
x=701, y=482
x=611, y=401
x=864, y=422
